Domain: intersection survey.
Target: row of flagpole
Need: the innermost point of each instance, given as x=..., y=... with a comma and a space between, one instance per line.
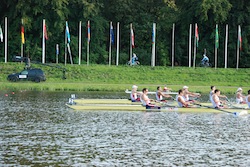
x=3, y=38
x=132, y=43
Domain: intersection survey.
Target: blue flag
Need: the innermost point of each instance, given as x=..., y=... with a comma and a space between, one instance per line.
x=112, y=36
x=67, y=32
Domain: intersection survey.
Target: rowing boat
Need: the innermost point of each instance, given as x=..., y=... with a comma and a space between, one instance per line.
x=170, y=93
x=128, y=102
x=127, y=107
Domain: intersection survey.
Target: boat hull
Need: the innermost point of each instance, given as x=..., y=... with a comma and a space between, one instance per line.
x=120, y=107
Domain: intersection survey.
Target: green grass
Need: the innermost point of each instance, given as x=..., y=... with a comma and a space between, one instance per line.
x=119, y=78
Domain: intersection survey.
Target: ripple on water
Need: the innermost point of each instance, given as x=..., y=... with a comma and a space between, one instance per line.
x=53, y=135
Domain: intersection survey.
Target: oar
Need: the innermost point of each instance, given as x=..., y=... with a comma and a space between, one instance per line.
x=236, y=107
x=244, y=112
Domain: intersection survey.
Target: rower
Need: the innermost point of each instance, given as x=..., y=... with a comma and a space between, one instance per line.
x=248, y=99
x=240, y=97
x=181, y=100
x=216, y=100
x=135, y=96
x=159, y=95
x=166, y=89
x=212, y=92
x=186, y=94
x=146, y=101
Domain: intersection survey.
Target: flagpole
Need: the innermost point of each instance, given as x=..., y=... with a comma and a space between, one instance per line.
x=21, y=40
x=88, y=40
x=65, y=48
x=57, y=53
x=190, y=45
x=131, y=49
x=195, y=45
x=238, y=48
x=80, y=41
x=226, y=42
x=110, y=38
x=173, y=45
x=153, y=45
x=117, y=45
x=6, y=39
x=43, y=45
x=215, y=49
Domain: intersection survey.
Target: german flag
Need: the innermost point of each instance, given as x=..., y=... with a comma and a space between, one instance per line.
x=22, y=34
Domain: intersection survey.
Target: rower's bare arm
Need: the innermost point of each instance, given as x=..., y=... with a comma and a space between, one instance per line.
x=222, y=96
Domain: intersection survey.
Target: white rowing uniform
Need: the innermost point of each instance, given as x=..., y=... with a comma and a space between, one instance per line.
x=218, y=104
x=158, y=97
x=210, y=95
x=239, y=100
x=132, y=94
x=248, y=102
x=144, y=103
x=186, y=97
x=179, y=103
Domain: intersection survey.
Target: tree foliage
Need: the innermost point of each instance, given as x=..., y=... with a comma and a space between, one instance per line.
x=141, y=13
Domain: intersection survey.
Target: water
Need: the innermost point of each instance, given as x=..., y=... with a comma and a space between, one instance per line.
x=37, y=129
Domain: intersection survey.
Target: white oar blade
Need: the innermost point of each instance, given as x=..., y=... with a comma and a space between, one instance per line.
x=243, y=112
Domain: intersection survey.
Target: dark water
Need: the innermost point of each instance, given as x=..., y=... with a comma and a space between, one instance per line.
x=37, y=129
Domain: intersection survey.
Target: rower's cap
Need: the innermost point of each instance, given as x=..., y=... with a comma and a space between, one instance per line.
x=185, y=87
x=239, y=89
x=134, y=87
x=165, y=88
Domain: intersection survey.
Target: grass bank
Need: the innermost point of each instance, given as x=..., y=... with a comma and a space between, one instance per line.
x=119, y=78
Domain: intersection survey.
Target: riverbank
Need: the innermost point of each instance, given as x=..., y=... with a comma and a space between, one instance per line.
x=119, y=78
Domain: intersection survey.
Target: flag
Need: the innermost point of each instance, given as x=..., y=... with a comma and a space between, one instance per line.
x=112, y=36
x=1, y=34
x=132, y=37
x=153, y=35
x=45, y=32
x=239, y=38
x=196, y=35
x=67, y=32
x=216, y=37
x=88, y=31
x=22, y=34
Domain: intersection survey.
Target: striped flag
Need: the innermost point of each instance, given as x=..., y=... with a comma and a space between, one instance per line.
x=88, y=31
x=67, y=32
x=196, y=35
x=1, y=34
x=112, y=36
x=216, y=37
x=132, y=37
x=22, y=34
x=153, y=35
x=45, y=32
x=239, y=38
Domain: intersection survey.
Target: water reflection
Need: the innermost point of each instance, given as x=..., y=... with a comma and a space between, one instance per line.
x=37, y=129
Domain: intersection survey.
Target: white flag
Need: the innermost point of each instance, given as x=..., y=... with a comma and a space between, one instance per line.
x=1, y=34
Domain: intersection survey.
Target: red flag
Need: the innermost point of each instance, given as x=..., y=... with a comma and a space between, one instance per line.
x=239, y=38
x=132, y=37
x=196, y=35
x=45, y=32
